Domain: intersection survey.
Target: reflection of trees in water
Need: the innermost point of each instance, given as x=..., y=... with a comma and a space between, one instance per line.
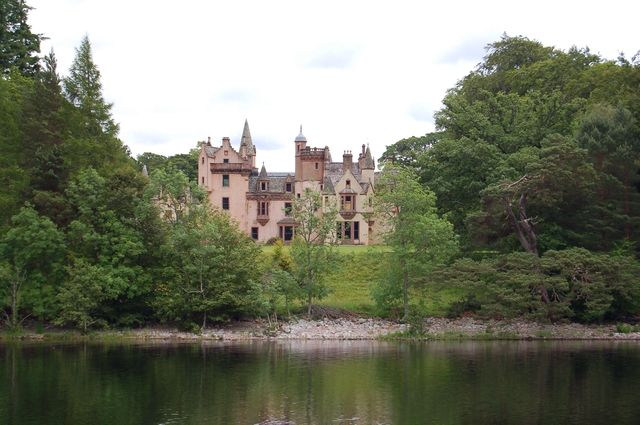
x=320, y=382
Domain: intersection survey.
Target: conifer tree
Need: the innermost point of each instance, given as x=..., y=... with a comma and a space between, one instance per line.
x=18, y=45
x=83, y=88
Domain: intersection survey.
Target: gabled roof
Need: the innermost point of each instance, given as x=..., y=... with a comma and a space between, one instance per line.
x=210, y=151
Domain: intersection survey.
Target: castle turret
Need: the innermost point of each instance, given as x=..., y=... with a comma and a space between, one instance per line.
x=367, y=164
x=301, y=144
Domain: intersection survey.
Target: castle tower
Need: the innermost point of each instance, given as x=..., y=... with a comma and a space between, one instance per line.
x=301, y=145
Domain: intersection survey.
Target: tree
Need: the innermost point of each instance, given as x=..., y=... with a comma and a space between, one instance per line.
x=30, y=253
x=420, y=240
x=107, y=233
x=278, y=281
x=18, y=45
x=174, y=193
x=546, y=200
x=81, y=294
x=84, y=90
x=212, y=274
x=312, y=248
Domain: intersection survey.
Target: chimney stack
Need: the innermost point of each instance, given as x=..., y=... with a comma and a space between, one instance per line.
x=347, y=160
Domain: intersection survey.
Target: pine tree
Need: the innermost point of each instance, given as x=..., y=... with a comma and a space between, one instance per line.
x=18, y=45
x=84, y=90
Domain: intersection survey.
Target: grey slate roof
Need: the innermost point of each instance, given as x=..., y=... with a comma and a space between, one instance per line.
x=210, y=150
x=276, y=182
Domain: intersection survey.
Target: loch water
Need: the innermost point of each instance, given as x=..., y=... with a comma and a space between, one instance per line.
x=321, y=382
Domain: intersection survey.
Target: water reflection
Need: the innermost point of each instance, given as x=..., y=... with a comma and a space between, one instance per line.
x=321, y=382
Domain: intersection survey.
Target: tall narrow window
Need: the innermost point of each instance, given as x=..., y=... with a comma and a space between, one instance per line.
x=356, y=230
x=287, y=209
x=316, y=165
x=348, y=184
x=225, y=180
x=203, y=180
x=288, y=186
x=225, y=203
x=263, y=208
x=203, y=159
x=264, y=186
x=347, y=230
x=254, y=233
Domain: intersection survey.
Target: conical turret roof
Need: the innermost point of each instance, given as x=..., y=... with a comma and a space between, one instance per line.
x=263, y=172
x=369, y=163
x=246, y=140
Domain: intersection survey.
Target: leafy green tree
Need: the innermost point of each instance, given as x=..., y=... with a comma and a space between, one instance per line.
x=312, y=248
x=278, y=282
x=18, y=45
x=420, y=240
x=109, y=238
x=81, y=294
x=151, y=160
x=30, y=254
x=174, y=193
x=84, y=90
x=212, y=274
x=581, y=285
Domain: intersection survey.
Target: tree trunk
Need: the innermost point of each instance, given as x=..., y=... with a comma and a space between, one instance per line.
x=204, y=321
x=309, y=305
x=15, y=289
x=405, y=294
x=522, y=225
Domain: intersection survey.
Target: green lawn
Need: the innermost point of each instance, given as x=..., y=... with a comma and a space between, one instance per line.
x=358, y=269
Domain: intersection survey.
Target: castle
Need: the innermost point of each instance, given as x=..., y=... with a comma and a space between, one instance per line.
x=261, y=201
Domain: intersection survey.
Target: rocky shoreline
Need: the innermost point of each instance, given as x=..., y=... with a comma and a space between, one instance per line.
x=370, y=329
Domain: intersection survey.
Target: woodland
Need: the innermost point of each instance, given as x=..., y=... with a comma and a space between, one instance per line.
x=525, y=202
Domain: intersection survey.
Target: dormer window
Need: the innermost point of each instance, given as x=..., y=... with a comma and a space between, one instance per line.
x=288, y=187
x=264, y=186
x=348, y=186
x=225, y=161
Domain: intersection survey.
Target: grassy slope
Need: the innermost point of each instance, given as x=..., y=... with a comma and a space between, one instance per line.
x=358, y=269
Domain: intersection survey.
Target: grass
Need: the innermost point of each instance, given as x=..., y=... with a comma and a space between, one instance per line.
x=358, y=269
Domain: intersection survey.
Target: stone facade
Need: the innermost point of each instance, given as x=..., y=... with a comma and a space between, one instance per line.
x=260, y=201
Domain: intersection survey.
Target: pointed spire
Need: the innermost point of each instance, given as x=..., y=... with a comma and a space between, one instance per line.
x=246, y=140
x=369, y=163
x=263, y=172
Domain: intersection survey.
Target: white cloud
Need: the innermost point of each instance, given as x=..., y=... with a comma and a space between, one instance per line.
x=351, y=72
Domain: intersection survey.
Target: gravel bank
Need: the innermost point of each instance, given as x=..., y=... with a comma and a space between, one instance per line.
x=367, y=329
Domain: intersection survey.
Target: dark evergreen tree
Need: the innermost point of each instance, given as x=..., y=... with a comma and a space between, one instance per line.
x=19, y=47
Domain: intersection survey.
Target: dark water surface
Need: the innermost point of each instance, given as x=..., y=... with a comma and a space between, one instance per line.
x=321, y=383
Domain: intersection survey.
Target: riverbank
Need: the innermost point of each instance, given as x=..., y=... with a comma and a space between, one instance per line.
x=356, y=329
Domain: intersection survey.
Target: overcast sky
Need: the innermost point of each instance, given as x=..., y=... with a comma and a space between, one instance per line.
x=351, y=72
